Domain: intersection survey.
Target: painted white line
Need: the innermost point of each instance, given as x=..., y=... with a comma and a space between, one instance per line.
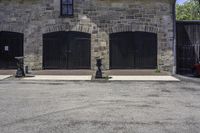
x=59, y=77
x=4, y=76
x=144, y=78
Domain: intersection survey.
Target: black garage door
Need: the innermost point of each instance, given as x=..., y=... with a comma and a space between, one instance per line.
x=11, y=46
x=133, y=50
x=66, y=50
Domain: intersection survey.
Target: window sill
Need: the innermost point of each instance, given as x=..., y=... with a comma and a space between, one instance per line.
x=66, y=16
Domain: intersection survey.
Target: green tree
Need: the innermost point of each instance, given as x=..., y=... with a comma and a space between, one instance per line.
x=190, y=10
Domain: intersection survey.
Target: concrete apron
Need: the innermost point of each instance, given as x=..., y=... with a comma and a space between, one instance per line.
x=2, y=77
x=89, y=78
x=139, y=75
x=61, y=77
x=143, y=78
x=88, y=75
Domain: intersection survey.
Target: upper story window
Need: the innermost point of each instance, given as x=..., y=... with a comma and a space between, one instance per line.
x=67, y=8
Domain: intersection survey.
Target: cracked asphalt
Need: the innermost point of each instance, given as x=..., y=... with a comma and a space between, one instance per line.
x=100, y=107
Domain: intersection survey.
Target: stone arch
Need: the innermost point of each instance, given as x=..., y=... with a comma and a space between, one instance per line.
x=125, y=28
x=11, y=28
x=67, y=27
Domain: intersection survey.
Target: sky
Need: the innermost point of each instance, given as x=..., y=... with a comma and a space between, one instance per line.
x=181, y=1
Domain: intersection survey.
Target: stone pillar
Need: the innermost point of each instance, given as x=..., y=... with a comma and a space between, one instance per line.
x=33, y=47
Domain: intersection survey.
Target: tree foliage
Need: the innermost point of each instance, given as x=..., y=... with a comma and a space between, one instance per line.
x=189, y=10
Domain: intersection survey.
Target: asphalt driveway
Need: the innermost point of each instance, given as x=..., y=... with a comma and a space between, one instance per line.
x=100, y=107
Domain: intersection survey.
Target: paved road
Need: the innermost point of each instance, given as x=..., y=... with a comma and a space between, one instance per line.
x=93, y=107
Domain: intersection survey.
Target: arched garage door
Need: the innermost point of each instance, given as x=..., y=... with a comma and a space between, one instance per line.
x=11, y=46
x=66, y=50
x=133, y=50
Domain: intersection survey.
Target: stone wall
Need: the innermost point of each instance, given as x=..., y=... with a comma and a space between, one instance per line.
x=97, y=17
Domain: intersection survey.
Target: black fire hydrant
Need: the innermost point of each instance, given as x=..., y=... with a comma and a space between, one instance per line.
x=20, y=67
x=99, y=71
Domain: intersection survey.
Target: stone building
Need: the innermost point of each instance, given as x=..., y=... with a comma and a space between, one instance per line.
x=71, y=34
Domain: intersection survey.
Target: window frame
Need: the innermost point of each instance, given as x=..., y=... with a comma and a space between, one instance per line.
x=61, y=9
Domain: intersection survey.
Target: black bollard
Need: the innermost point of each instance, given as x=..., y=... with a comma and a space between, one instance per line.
x=99, y=72
x=20, y=67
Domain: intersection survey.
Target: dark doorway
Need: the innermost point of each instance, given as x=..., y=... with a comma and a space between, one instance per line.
x=133, y=50
x=11, y=46
x=66, y=50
